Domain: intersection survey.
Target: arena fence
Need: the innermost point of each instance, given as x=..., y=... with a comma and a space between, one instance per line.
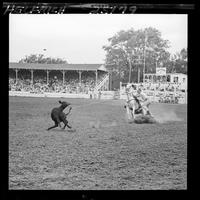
x=154, y=96
x=178, y=97
x=92, y=95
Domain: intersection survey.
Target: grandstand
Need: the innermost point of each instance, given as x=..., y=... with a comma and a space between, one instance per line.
x=57, y=78
x=90, y=81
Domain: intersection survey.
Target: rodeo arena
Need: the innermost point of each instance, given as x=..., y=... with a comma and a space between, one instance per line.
x=97, y=102
x=105, y=145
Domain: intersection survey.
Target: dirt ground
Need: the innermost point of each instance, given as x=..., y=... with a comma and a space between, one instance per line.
x=104, y=153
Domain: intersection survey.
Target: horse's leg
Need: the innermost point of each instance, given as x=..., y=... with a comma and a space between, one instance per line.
x=56, y=125
x=58, y=121
x=66, y=124
x=133, y=110
x=146, y=108
x=133, y=113
x=128, y=112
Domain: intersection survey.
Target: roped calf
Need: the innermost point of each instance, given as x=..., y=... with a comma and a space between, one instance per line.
x=58, y=116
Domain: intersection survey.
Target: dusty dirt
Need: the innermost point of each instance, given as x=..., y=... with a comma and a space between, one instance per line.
x=105, y=152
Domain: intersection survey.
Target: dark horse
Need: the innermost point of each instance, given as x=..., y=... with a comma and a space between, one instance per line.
x=57, y=115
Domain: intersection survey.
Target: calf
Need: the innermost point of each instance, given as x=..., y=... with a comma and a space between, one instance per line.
x=57, y=115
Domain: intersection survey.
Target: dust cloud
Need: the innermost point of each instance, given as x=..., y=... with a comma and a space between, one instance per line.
x=166, y=116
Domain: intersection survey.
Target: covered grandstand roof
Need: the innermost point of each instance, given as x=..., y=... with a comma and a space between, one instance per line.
x=37, y=66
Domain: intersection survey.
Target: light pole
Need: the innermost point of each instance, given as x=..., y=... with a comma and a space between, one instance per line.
x=158, y=55
x=156, y=63
x=138, y=62
x=130, y=68
x=144, y=54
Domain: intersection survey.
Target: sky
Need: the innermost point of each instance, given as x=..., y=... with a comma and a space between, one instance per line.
x=79, y=38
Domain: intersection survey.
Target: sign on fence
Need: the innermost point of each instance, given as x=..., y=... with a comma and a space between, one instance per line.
x=161, y=71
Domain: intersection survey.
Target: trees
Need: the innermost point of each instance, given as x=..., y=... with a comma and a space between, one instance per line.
x=131, y=50
x=181, y=61
x=178, y=62
x=34, y=58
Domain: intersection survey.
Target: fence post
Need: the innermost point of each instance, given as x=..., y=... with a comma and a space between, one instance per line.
x=47, y=77
x=63, y=72
x=16, y=75
x=186, y=95
x=32, y=76
x=174, y=92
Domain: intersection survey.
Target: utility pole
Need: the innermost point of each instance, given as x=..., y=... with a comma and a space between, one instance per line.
x=144, y=55
x=130, y=68
x=138, y=74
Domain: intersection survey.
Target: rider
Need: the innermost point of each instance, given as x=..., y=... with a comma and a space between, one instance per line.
x=130, y=89
x=143, y=99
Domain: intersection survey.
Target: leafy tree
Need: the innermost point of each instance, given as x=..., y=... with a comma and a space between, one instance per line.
x=34, y=58
x=132, y=48
x=182, y=61
x=178, y=62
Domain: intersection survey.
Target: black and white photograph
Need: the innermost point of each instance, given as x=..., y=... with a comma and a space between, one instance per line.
x=98, y=101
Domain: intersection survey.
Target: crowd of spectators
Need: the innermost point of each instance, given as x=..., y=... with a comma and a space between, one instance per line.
x=163, y=92
x=166, y=92
x=54, y=85
x=170, y=87
x=168, y=99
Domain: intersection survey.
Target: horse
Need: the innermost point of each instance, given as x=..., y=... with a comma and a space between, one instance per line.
x=133, y=107
x=58, y=116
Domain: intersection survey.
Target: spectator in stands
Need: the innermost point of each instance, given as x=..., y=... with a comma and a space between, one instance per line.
x=54, y=85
